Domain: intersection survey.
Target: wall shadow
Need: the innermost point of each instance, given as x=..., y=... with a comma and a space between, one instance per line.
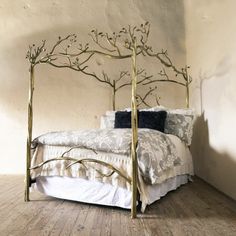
x=199, y=199
x=209, y=163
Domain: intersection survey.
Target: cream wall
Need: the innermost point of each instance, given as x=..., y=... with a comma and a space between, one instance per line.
x=64, y=99
x=211, y=50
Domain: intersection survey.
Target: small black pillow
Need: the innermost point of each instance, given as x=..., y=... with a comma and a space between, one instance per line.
x=122, y=119
x=146, y=119
x=152, y=120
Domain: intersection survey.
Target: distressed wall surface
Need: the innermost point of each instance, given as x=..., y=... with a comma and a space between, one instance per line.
x=65, y=99
x=68, y=100
x=211, y=47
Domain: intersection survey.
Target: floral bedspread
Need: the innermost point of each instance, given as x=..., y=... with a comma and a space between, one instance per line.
x=156, y=152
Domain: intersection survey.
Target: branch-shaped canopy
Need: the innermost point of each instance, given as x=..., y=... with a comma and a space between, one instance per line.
x=68, y=52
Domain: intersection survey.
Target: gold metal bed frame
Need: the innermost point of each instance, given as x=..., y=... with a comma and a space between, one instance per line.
x=134, y=40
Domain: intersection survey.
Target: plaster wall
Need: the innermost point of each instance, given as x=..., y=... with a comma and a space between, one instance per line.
x=211, y=47
x=66, y=100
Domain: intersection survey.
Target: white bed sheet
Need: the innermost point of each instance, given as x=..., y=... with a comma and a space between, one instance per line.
x=81, y=190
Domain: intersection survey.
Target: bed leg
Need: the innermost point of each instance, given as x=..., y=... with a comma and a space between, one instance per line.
x=26, y=197
x=134, y=184
x=134, y=202
x=27, y=174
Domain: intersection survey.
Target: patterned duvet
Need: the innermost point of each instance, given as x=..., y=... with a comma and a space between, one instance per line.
x=156, y=152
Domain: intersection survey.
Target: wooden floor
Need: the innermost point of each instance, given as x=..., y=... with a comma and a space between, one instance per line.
x=193, y=209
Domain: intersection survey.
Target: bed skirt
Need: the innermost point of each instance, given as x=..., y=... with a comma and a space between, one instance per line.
x=81, y=190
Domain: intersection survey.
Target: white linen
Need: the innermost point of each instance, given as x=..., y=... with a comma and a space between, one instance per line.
x=94, y=192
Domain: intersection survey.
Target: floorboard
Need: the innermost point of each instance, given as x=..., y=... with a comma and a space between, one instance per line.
x=193, y=209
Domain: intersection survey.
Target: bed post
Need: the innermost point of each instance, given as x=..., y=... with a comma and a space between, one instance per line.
x=114, y=95
x=29, y=137
x=134, y=123
x=188, y=81
x=187, y=95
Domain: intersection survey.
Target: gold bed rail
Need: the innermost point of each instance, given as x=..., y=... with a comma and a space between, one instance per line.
x=134, y=41
x=83, y=162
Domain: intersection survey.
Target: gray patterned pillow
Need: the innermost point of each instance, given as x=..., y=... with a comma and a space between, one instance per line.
x=180, y=124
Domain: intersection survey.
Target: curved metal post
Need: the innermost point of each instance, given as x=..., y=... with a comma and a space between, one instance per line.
x=114, y=96
x=187, y=95
x=29, y=137
x=187, y=88
x=134, y=123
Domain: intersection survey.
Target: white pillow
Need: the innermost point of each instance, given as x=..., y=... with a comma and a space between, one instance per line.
x=156, y=108
x=107, y=121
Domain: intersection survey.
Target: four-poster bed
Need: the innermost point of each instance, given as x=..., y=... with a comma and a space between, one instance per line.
x=90, y=155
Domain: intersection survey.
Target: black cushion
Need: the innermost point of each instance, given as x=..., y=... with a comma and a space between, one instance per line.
x=152, y=120
x=122, y=119
x=146, y=119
